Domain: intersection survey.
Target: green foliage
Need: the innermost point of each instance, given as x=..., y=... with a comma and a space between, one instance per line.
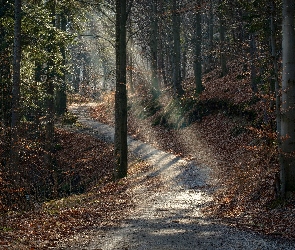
x=6, y=229
x=41, y=55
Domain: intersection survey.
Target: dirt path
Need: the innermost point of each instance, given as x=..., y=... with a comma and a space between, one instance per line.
x=170, y=218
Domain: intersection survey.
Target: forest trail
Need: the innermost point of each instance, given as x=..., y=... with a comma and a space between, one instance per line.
x=170, y=217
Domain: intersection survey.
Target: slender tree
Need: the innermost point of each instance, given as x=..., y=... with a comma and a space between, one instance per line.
x=210, y=35
x=50, y=82
x=197, y=59
x=176, y=66
x=288, y=97
x=14, y=161
x=120, y=149
x=222, y=41
x=154, y=47
x=5, y=69
x=61, y=95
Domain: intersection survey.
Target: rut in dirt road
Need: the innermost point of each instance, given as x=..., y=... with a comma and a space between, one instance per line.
x=171, y=217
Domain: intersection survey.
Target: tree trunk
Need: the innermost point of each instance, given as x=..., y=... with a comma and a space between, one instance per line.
x=154, y=49
x=288, y=99
x=275, y=69
x=197, y=59
x=162, y=47
x=276, y=88
x=5, y=74
x=222, y=44
x=15, y=119
x=184, y=56
x=210, y=35
x=176, y=65
x=120, y=149
x=61, y=95
x=49, y=159
x=253, y=67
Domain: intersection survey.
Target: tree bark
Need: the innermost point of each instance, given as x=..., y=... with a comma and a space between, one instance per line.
x=15, y=118
x=275, y=88
x=162, y=48
x=184, y=57
x=176, y=65
x=253, y=67
x=49, y=159
x=154, y=48
x=197, y=59
x=5, y=69
x=61, y=94
x=120, y=147
x=210, y=35
x=222, y=44
x=288, y=99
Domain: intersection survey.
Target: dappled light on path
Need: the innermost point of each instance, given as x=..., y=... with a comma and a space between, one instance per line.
x=171, y=216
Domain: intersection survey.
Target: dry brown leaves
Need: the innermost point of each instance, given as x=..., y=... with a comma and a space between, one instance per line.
x=104, y=204
x=244, y=159
x=104, y=111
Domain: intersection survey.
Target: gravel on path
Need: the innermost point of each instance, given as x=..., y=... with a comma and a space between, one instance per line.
x=170, y=218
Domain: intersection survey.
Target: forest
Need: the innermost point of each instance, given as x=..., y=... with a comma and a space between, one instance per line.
x=208, y=81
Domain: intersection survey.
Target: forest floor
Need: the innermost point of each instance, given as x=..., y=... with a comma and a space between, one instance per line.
x=169, y=203
x=178, y=193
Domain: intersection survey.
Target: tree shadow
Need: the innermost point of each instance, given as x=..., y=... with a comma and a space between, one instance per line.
x=177, y=230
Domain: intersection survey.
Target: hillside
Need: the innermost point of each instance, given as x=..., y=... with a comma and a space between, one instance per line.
x=240, y=145
x=225, y=134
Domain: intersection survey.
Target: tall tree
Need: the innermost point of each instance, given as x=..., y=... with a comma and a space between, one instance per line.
x=222, y=40
x=197, y=59
x=14, y=161
x=5, y=72
x=210, y=35
x=61, y=95
x=176, y=65
x=154, y=47
x=276, y=87
x=288, y=99
x=120, y=147
x=50, y=82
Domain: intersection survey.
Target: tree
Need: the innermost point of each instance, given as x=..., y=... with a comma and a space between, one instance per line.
x=14, y=160
x=176, y=65
x=120, y=147
x=222, y=41
x=197, y=59
x=154, y=47
x=61, y=95
x=288, y=99
x=5, y=55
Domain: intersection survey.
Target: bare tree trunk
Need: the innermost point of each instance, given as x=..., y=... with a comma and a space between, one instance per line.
x=198, y=57
x=120, y=149
x=276, y=87
x=176, y=79
x=154, y=48
x=288, y=97
x=222, y=44
x=253, y=68
x=15, y=119
x=61, y=95
x=162, y=47
x=5, y=73
x=211, y=16
x=49, y=127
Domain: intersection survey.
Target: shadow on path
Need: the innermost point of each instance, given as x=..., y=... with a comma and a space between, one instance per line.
x=171, y=218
